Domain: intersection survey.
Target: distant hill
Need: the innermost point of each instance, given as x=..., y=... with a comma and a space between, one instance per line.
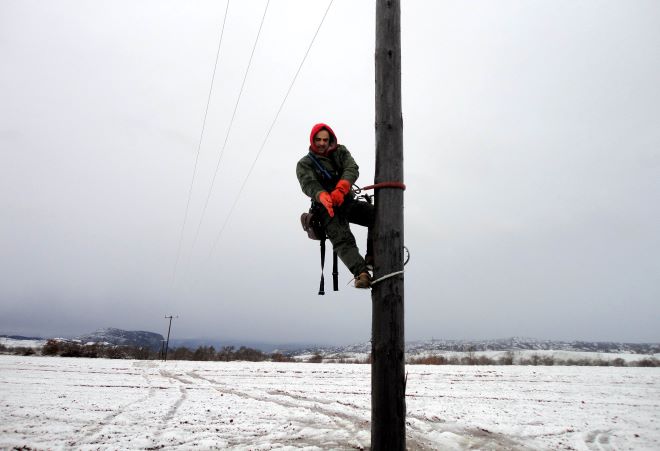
x=507, y=344
x=153, y=341
x=20, y=337
x=119, y=337
x=532, y=344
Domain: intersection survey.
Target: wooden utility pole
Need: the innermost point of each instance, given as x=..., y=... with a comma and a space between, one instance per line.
x=167, y=343
x=388, y=402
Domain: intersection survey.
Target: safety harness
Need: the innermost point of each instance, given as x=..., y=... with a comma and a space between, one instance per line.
x=311, y=223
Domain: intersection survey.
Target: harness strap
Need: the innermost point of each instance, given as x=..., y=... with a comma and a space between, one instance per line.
x=335, y=273
x=322, y=284
x=323, y=171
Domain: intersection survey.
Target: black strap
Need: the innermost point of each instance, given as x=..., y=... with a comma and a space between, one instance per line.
x=335, y=273
x=322, y=285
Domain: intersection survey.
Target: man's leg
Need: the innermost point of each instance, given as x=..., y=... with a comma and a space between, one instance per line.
x=343, y=241
x=364, y=214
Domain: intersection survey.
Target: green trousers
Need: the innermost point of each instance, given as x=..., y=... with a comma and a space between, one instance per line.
x=339, y=232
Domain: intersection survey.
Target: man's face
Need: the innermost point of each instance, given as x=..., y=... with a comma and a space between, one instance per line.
x=322, y=141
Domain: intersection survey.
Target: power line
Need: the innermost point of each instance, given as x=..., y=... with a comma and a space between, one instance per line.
x=199, y=146
x=270, y=129
x=231, y=122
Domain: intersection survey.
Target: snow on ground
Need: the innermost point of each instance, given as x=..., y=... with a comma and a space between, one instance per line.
x=89, y=404
x=15, y=343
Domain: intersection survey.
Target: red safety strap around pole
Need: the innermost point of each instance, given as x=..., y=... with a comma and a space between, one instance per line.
x=398, y=185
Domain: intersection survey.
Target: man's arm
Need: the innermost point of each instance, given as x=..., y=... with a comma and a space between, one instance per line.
x=307, y=179
x=351, y=170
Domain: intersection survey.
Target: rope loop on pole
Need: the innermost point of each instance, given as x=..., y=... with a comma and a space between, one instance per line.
x=395, y=273
x=380, y=279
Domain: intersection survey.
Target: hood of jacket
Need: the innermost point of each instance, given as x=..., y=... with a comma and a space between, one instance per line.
x=333, y=139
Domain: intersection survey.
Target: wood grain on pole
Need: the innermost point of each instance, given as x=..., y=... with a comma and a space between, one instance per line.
x=388, y=405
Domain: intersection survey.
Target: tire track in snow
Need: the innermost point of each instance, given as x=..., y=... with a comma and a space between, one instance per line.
x=342, y=420
x=183, y=395
x=175, y=407
x=296, y=401
x=417, y=428
x=94, y=430
x=175, y=377
x=89, y=437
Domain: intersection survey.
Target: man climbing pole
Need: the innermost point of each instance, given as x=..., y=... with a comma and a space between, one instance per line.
x=326, y=175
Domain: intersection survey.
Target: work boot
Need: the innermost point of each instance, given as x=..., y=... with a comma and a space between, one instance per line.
x=363, y=280
x=369, y=260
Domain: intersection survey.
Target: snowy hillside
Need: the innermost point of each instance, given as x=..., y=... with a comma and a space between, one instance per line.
x=121, y=337
x=431, y=347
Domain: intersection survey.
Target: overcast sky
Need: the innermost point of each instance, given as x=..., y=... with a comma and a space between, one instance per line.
x=531, y=148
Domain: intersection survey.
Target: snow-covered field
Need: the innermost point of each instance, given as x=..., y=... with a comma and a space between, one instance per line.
x=66, y=403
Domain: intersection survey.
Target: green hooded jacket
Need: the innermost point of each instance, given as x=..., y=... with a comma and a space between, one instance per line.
x=337, y=161
x=340, y=164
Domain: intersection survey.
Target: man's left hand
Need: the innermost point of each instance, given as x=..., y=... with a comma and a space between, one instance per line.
x=341, y=190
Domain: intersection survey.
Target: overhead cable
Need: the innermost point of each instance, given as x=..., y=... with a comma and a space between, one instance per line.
x=231, y=122
x=270, y=129
x=199, y=146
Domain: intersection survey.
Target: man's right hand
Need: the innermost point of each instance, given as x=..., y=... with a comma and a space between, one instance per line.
x=326, y=200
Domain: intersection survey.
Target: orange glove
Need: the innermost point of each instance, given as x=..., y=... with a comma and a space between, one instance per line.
x=326, y=201
x=342, y=189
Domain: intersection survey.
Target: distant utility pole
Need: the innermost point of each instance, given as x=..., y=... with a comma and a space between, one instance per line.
x=388, y=384
x=167, y=343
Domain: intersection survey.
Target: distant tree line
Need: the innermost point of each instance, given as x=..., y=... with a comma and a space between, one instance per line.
x=63, y=348
x=96, y=350
x=509, y=358
x=230, y=353
x=18, y=350
x=224, y=354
